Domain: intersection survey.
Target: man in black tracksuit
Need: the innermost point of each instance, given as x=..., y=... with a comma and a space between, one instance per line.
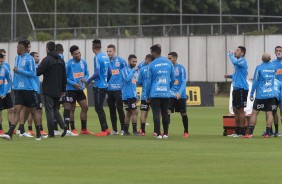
x=54, y=86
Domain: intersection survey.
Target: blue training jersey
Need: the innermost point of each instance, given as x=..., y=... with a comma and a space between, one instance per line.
x=277, y=89
x=130, y=76
x=277, y=63
x=179, y=85
x=101, y=71
x=76, y=70
x=142, y=80
x=160, y=78
x=239, y=77
x=5, y=80
x=37, y=79
x=141, y=64
x=116, y=64
x=7, y=65
x=25, y=78
x=263, y=81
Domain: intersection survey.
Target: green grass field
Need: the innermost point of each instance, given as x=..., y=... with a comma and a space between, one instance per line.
x=205, y=157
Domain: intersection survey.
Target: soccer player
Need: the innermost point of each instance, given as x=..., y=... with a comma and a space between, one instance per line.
x=129, y=94
x=278, y=66
x=64, y=100
x=240, y=88
x=27, y=115
x=77, y=75
x=160, y=80
x=178, y=96
x=5, y=86
x=115, y=84
x=101, y=76
x=145, y=106
x=263, y=85
x=52, y=67
x=8, y=102
x=25, y=88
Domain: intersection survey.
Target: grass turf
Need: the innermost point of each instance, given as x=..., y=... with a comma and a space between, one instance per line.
x=205, y=157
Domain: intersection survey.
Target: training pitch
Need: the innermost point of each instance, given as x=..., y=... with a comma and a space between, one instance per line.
x=205, y=157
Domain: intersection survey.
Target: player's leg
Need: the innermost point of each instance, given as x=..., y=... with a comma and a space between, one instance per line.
x=144, y=113
x=128, y=115
x=181, y=107
x=113, y=114
x=164, y=103
x=99, y=97
x=156, y=109
x=134, y=115
x=119, y=105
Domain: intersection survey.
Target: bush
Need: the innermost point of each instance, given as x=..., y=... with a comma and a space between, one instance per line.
x=42, y=36
x=64, y=36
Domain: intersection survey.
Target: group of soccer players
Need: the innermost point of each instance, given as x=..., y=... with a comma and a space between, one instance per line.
x=266, y=86
x=163, y=83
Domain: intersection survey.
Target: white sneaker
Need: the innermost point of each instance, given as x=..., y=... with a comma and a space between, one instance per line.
x=159, y=137
x=114, y=133
x=147, y=124
x=236, y=135
x=121, y=132
x=56, y=132
x=38, y=139
x=18, y=132
x=70, y=133
x=44, y=136
x=26, y=135
x=5, y=136
x=231, y=135
x=165, y=136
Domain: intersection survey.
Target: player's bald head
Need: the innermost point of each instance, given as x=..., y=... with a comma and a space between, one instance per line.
x=266, y=57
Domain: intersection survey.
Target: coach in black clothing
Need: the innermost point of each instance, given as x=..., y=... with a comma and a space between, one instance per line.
x=54, y=86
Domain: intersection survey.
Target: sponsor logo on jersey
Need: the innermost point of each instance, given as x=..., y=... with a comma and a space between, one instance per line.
x=78, y=75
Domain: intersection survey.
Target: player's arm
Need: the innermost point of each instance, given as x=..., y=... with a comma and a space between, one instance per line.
x=148, y=84
x=8, y=86
x=172, y=76
x=96, y=71
x=183, y=79
x=69, y=74
x=86, y=73
x=140, y=78
x=255, y=83
x=31, y=72
x=235, y=61
x=127, y=76
x=42, y=67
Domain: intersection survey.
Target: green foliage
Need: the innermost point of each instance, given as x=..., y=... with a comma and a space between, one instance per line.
x=42, y=36
x=270, y=30
x=64, y=36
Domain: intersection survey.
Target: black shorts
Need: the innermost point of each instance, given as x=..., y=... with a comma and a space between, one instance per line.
x=239, y=98
x=145, y=106
x=177, y=105
x=64, y=99
x=265, y=104
x=39, y=101
x=27, y=98
x=130, y=104
x=76, y=96
x=6, y=103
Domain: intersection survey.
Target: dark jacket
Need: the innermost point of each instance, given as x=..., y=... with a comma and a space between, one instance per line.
x=54, y=74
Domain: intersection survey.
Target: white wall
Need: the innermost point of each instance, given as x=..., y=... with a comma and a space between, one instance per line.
x=204, y=57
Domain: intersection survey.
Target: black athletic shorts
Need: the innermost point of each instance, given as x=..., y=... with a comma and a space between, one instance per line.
x=76, y=96
x=7, y=102
x=145, y=106
x=64, y=99
x=239, y=98
x=265, y=104
x=177, y=105
x=130, y=104
x=27, y=98
x=39, y=101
